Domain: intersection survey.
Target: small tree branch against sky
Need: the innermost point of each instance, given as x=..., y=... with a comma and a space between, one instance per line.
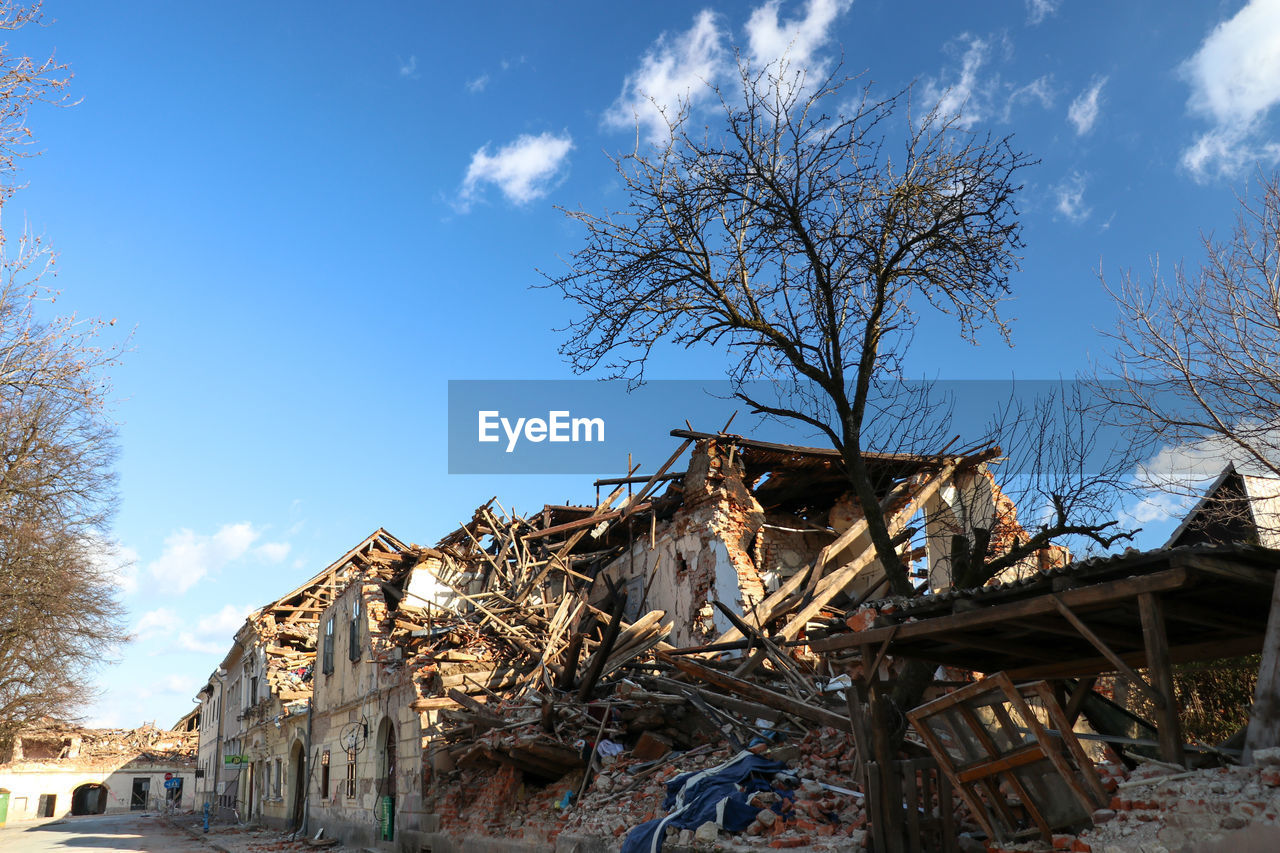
x=59, y=614
x=1196, y=366
x=805, y=232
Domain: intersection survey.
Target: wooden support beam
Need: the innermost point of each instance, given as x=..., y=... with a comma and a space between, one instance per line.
x=1002, y=646
x=1156, y=696
x=634, y=504
x=997, y=613
x=756, y=693
x=1264, y=719
x=601, y=656
x=1168, y=729
x=763, y=612
x=834, y=584
x=1185, y=611
x=1211, y=650
x=1078, y=696
x=1129, y=640
x=1223, y=568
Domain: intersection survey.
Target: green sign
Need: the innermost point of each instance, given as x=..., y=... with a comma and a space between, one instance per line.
x=234, y=760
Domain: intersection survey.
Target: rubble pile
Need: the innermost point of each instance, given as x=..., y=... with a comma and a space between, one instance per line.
x=53, y=740
x=1163, y=808
x=811, y=803
x=546, y=710
x=550, y=714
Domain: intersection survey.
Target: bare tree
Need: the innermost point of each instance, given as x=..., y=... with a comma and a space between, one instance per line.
x=58, y=611
x=797, y=237
x=1196, y=370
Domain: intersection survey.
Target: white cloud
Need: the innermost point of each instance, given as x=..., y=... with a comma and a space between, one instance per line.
x=1176, y=477
x=1155, y=507
x=410, y=68
x=523, y=170
x=477, y=85
x=1070, y=197
x=1235, y=81
x=189, y=556
x=272, y=552
x=796, y=39
x=967, y=96
x=679, y=71
x=212, y=634
x=1186, y=467
x=1039, y=89
x=1038, y=10
x=158, y=621
x=174, y=684
x=1083, y=111
x=675, y=72
x=972, y=91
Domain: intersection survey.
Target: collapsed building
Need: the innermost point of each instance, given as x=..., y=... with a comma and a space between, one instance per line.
x=54, y=769
x=543, y=679
x=336, y=699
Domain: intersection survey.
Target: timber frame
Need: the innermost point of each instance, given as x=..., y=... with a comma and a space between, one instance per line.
x=1114, y=614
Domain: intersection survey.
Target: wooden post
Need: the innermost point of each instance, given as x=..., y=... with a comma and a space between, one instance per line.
x=605, y=648
x=1169, y=731
x=1264, y=719
x=889, y=810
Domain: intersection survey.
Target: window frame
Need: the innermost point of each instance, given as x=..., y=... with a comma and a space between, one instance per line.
x=326, y=665
x=351, y=773
x=353, y=638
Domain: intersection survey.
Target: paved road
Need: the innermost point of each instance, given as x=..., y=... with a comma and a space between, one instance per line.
x=94, y=833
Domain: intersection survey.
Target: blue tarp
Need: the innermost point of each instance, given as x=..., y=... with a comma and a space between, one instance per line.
x=718, y=794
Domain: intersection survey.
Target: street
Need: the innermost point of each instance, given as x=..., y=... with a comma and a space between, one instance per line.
x=93, y=833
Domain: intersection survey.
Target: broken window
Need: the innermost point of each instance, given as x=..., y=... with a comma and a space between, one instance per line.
x=327, y=665
x=353, y=642
x=324, y=775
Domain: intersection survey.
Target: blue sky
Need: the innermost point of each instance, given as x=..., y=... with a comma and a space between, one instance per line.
x=313, y=217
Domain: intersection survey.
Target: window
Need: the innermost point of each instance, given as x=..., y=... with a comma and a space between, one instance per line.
x=279, y=777
x=351, y=772
x=253, y=691
x=327, y=665
x=324, y=775
x=353, y=642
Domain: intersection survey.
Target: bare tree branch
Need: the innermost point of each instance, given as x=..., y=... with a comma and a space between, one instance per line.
x=789, y=236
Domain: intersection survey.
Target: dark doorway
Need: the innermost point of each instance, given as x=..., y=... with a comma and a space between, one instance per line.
x=46, y=804
x=138, y=798
x=89, y=799
x=298, y=760
x=389, y=753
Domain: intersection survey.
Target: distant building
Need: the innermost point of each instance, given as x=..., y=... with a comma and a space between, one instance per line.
x=1235, y=508
x=55, y=769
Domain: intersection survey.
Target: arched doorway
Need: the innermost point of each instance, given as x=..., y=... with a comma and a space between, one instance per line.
x=89, y=798
x=387, y=780
x=298, y=776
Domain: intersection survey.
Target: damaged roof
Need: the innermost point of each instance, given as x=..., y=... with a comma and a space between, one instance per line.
x=1213, y=600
